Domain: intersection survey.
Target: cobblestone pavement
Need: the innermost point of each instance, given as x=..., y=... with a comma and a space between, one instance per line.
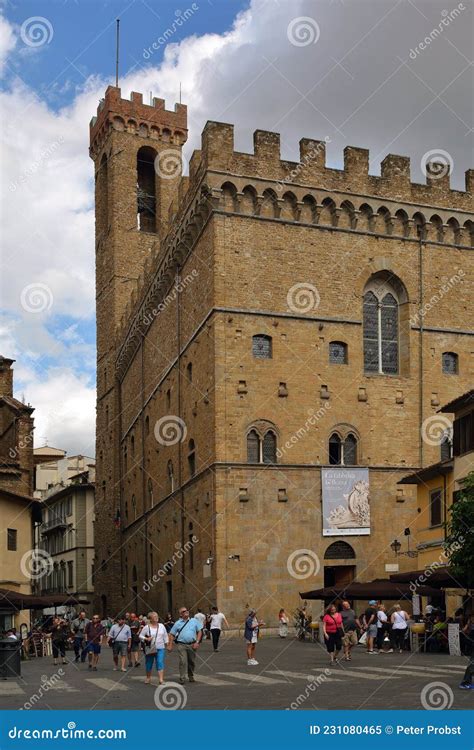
x=290, y=674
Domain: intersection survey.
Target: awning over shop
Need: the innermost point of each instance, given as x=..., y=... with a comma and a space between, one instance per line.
x=15, y=600
x=379, y=589
x=438, y=577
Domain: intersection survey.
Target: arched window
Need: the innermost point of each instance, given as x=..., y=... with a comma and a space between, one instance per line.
x=450, y=363
x=339, y=551
x=146, y=200
x=350, y=450
x=380, y=328
x=192, y=458
x=147, y=425
x=343, y=451
x=269, y=448
x=189, y=371
x=335, y=450
x=337, y=353
x=132, y=446
x=125, y=457
x=253, y=447
x=261, y=446
x=262, y=346
x=170, y=476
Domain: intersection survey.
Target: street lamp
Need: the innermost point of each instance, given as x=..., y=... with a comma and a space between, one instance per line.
x=396, y=546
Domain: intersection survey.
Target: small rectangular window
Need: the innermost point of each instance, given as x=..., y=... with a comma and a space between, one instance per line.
x=435, y=507
x=12, y=539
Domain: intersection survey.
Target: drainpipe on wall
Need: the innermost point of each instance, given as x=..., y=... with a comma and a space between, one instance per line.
x=180, y=457
x=420, y=355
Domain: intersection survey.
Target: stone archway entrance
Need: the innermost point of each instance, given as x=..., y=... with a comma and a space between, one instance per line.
x=339, y=570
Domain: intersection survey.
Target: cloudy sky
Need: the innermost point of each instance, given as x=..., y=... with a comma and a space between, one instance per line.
x=394, y=76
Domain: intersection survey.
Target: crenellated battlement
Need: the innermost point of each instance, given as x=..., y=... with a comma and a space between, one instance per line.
x=133, y=116
x=394, y=182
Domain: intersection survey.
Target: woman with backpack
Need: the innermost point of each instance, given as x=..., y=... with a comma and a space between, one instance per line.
x=154, y=638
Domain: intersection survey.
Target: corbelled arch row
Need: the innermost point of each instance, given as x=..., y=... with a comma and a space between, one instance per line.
x=334, y=210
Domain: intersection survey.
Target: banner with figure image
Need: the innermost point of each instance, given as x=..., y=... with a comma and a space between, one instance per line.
x=346, y=501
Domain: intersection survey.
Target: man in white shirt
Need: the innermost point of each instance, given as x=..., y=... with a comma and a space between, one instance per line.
x=120, y=638
x=217, y=619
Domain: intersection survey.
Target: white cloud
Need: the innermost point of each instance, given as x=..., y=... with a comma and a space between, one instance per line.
x=7, y=41
x=351, y=85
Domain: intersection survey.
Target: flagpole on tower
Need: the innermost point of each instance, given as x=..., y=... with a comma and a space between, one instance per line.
x=117, y=53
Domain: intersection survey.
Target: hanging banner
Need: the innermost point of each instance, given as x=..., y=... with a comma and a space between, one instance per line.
x=346, y=502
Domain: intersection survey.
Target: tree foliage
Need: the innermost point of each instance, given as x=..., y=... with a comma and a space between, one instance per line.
x=460, y=540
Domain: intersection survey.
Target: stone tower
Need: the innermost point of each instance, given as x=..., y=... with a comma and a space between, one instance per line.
x=136, y=149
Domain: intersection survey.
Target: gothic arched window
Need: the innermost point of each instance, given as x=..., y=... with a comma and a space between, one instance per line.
x=343, y=450
x=381, y=329
x=261, y=446
x=192, y=458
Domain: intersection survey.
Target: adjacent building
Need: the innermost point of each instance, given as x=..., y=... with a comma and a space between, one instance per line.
x=438, y=487
x=273, y=339
x=66, y=487
x=19, y=511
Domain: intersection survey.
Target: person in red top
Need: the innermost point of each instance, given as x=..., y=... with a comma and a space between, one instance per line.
x=333, y=630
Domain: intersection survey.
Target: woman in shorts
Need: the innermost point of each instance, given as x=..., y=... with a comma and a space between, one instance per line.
x=251, y=637
x=333, y=631
x=154, y=636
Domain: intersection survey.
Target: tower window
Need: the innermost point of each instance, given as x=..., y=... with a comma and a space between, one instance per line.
x=337, y=353
x=262, y=346
x=446, y=448
x=435, y=507
x=146, y=200
x=170, y=476
x=189, y=371
x=253, y=447
x=450, y=363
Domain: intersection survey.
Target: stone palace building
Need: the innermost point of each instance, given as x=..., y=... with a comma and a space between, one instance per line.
x=274, y=341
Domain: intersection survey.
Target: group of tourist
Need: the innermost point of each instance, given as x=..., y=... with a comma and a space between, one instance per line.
x=344, y=630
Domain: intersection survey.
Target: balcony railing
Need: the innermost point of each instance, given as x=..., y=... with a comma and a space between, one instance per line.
x=53, y=523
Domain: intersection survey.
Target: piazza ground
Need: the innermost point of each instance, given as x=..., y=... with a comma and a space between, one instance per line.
x=286, y=670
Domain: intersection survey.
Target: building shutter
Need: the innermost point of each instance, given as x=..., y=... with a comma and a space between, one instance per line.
x=389, y=334
x=435, y=507
x=371, y=351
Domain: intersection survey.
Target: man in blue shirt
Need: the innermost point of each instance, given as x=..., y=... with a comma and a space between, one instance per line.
x=187, y=634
